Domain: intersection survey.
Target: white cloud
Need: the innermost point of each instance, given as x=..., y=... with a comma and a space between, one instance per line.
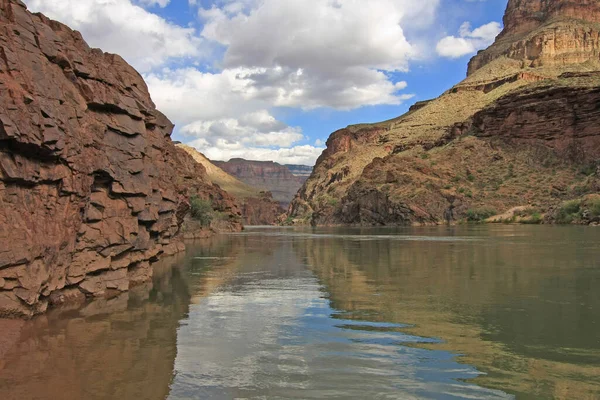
x=144, y=39
x=304, y=155
x=319, y=53
x=302, y=54
x=244, y=131
x=469, y=41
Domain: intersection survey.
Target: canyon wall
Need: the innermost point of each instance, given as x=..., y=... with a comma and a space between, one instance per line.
x=546, y=33
x=519, y=131
x=264, y=176
x=258, y=207
x=92, y=189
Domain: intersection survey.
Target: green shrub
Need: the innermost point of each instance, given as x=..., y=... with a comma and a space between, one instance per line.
x=201, y=210
x=588, y=169
x=534, y=219
x=594, y=208
x=568, y=212
x=480, y=214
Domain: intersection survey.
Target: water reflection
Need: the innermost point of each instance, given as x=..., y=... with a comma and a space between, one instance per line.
x=333, y=314
x=266, y=330
x=123, y=348
x=521, y=303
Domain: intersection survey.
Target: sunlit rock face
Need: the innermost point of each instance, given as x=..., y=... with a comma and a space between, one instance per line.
x=520, y=130
x=546, y=32
x=264, y=175
x=92, y=189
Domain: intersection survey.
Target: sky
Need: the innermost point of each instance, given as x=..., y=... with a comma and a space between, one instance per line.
x=272, y=79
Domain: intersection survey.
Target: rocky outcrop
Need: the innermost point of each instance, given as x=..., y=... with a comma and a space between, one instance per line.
x=564, y=118
x=520, y=131
x=261, y=210
x=264, y=176
x=92, y=190
x=546, y=33
x=258, y=207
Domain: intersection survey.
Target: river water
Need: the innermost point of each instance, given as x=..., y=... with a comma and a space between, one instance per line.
x=478, y=312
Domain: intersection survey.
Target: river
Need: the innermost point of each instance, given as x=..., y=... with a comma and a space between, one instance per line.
x=478, y=312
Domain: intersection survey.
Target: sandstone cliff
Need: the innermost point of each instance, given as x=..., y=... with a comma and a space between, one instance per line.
x=265, y=176
x=520, y=130
x=92, y=189
x=258, y=207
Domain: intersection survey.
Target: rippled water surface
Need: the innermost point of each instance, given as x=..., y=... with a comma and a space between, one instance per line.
x=484, y=312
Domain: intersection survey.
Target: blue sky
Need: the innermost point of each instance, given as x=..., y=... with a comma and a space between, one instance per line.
x=271, y=79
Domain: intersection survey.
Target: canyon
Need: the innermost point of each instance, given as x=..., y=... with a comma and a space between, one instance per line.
x=92, y=189
x=268, y=176
x=519, y=131
x=258, y=207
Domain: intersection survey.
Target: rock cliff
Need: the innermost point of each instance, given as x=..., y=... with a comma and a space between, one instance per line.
x=520, y=130
x=258, y=207
x=265, y=176
x=92, y=189
x=546, y=33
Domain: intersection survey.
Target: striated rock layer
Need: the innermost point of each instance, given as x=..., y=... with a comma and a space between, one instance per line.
x=521, y=130
x=546, y=33
x=264, y=176
x=91, y=187
x=258, y=207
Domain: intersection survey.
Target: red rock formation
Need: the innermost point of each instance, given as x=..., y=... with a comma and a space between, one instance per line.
x=564, y=118
x=262, y=210
x=91, y=187
x=258, y=208
x=546, y=32
x=264, y=176
x=523, y=16
x=521, y=130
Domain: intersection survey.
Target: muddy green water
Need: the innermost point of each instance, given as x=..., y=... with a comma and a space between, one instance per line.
x=477, y=312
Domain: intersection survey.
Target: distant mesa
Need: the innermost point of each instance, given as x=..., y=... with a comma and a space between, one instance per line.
x=257, y=204
x=278, y=179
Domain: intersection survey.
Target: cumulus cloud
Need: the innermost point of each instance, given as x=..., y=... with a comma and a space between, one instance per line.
x=468, y=41
x=315, y=53
x=143, y=38
x=303, y=155
x=300, y=54
x=256, y=129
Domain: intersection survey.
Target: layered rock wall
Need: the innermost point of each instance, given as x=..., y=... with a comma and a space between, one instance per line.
x=264, y=176
x=546, y=33
x=91, y=187
x=520, y=131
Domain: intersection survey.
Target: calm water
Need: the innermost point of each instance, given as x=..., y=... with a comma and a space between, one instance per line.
x=485, y=312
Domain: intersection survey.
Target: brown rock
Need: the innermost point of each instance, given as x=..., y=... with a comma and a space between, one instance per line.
x=86, y=166
x=264, y=176
x=522, y=129
x=541, y=32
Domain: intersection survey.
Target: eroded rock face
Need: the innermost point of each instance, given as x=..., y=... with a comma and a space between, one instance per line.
x=264, y=176
x=261, y=210
x=520, y=131
x=258, y=207
x=546, y=32
x=91, y=186
x=565, y=119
